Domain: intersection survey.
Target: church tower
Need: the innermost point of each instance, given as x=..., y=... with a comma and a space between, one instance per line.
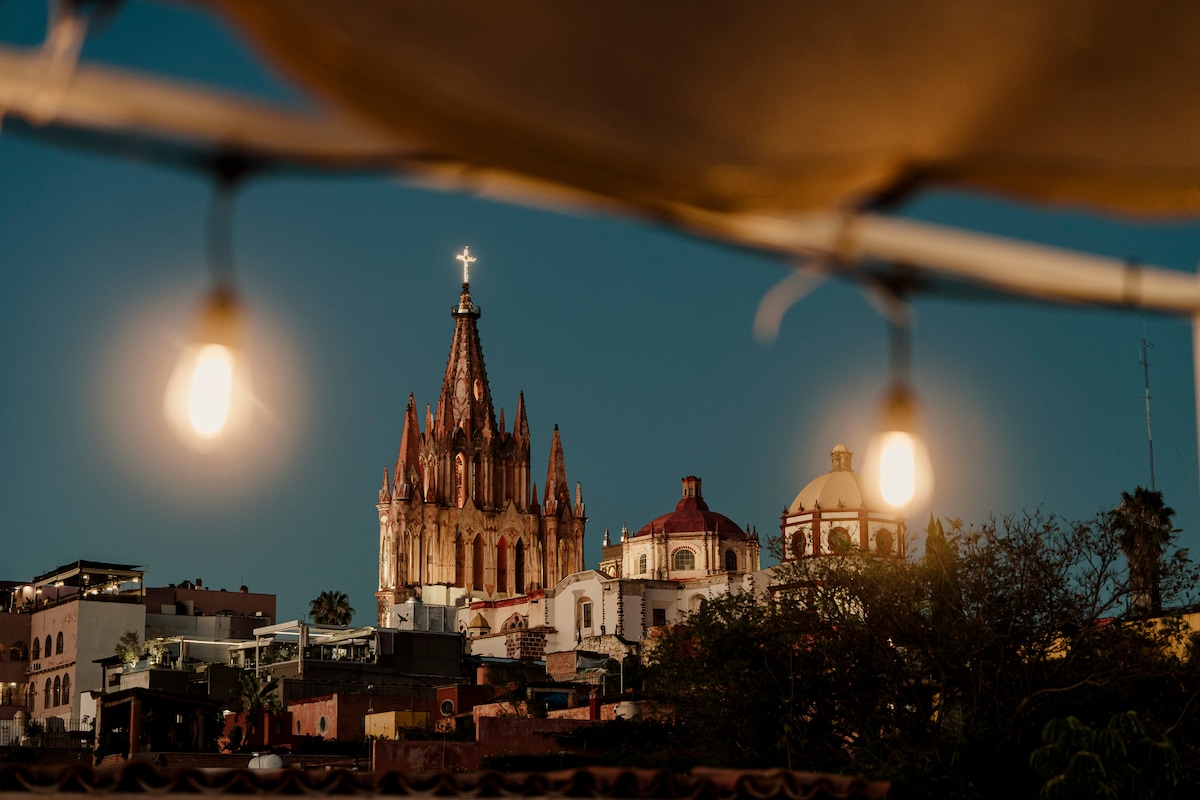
x=457, y=514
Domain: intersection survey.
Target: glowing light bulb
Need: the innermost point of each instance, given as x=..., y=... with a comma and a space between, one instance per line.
x=897, y=468
x=897, y=462
x=211, y=394
x=208, y=393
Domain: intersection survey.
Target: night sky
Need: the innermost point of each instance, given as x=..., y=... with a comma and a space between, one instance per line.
x=635, y=340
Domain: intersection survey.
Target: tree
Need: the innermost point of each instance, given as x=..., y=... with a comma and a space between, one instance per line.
x=256, y=697
x=129, y=648
x=1144, y=525
x=1117, y=761
x=331, y=608
x=939, y=673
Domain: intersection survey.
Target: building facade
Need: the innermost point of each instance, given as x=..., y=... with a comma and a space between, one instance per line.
x=645, y=580
x=458, y=514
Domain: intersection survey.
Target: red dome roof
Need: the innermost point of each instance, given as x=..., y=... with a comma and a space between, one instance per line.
x=691, y=515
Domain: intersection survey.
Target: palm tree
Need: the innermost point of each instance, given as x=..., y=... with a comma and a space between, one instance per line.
x=1144, y=528
x=256, y=697
x=331, y=608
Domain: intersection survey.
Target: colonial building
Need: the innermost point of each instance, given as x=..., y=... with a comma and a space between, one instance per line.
x=457, y=514
x=689, y=542
x=646, y=580
x=836, y=513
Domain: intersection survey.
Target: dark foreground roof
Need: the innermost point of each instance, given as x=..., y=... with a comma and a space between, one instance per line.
x=139, y=778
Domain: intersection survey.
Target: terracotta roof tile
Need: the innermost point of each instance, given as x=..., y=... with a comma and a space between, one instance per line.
x=138, y=778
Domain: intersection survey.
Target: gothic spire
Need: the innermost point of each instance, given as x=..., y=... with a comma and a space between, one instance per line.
x=410, y=443
x=466, y=398
x=385, y=492
x=556, y=476
x=521, y=424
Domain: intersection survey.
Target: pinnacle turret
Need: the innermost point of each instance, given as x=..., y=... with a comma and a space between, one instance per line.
x=557, y=491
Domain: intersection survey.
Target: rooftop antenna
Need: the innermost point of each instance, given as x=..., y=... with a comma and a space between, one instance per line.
x=1144, y=359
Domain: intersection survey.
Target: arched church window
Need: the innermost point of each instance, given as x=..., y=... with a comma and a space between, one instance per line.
x=519, y=566
x=476, y=486
x=37, y=648
x=839, y=540
x=460, y=561
x=58, y=644
x=46, y=697
x=730, y=561
x=642, y=564
x=884, y=542
x=477, y=564
x=66, y=690
x=799, y=542
x=19, y=652
x=57, y=691
x=48, y=651
x=460, y=481
x=683, y=559
x=502, y=565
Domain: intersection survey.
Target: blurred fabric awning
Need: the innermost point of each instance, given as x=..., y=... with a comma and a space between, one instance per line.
x=783, y=126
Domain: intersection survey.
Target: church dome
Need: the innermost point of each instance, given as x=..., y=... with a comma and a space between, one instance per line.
x=691, y=515
x=841, y=487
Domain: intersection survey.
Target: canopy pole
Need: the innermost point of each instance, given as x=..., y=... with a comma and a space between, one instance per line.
x=1006, y=265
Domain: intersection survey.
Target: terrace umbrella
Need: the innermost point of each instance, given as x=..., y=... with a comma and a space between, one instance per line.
x=788, y=127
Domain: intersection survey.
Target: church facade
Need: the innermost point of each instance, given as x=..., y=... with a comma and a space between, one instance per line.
x=458, y=515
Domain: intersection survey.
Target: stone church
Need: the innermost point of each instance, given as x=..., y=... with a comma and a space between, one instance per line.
x=458, y=516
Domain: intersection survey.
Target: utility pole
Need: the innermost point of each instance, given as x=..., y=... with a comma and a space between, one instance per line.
x=1145, y=361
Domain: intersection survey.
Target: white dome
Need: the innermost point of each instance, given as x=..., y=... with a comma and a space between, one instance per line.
x=841, y=487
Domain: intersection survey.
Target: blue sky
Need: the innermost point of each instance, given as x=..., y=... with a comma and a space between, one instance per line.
x=635, y=340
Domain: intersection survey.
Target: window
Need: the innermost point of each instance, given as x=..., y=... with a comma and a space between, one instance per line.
x=57, y=691
x=659, y=616
x=48, y=650
x=58, y=644
x=519, y=566
x=46, y=697
x=684, y=560
x=460, y=481
x=321, y=724
x=799, y=542
x=730, y=561
x=66, y=690
x=37, y=648
x=502, y=565
x=839, y=540
x=585, y=614
x=19, y=652
x=460, y=561
x=884, y=542
x=477, y=564
x=642, y=564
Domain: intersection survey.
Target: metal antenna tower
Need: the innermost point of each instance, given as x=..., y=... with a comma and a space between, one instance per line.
x=1144, y=359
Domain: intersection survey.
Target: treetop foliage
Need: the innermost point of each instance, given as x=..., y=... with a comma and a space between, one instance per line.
x=939, y=673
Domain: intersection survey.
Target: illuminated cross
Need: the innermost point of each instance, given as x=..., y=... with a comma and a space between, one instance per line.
x=466, y=258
